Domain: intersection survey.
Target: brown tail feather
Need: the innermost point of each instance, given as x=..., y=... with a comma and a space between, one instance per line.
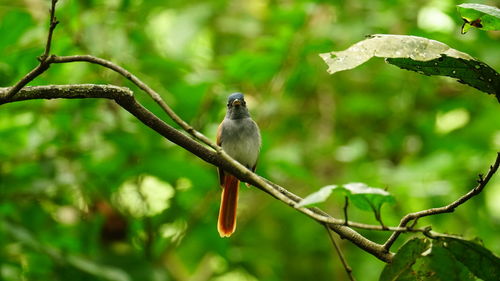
x=229, y=201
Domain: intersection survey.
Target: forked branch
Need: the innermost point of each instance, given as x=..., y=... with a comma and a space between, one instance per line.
x=482, y=182
x=125, y=99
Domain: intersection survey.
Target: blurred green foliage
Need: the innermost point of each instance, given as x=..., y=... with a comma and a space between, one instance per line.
x=114, y=200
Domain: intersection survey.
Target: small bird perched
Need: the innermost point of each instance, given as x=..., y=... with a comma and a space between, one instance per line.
x=239, y=137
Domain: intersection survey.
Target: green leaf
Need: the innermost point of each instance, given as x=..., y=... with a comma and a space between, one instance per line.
x=479, y=260
x=425, y=56
x=367, y=198
x=363, y=197
x=483, y=17
x=443, y=259
x=471, y=72
x=439, y=264
x=405, y=258
x=317, y=197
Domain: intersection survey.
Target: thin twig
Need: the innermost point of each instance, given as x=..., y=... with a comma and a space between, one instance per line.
x=347, y=268
x=378, y=217
x=482, y=182
x=143, y=86
x=44, y=61
x=52, y=25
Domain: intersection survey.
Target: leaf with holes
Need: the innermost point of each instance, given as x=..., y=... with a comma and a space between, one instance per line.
x=471, y=72
x=422, y=55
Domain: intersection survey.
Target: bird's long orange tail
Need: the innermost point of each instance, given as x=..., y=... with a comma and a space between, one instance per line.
x=229, y=201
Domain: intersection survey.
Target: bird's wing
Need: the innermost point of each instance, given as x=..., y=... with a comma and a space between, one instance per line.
x=219, y=143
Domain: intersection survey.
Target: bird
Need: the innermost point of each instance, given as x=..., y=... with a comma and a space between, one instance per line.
x=239, y=136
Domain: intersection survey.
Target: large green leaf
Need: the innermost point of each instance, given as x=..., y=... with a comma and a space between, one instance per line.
x=471, y=72
x=425, y=56
x=444, y=259
x=480, y=16
x=401, y=266
x=479, y=260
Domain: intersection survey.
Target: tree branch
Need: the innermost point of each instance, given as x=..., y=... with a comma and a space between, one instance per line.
x=79, y=91
x=125, y=99
x=482, y=182
x=143, y=86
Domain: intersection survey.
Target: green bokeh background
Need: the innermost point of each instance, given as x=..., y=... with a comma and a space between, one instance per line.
x=86, y=179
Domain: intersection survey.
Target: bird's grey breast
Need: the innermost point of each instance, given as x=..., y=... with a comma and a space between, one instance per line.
x=241, y=140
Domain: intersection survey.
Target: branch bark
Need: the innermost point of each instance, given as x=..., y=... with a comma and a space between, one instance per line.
x=125, y=98
x=79, y=91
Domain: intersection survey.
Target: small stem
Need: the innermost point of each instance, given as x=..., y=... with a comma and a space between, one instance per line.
x=45, y=59
x=347, y=268
x=144, y=87
x=378, y=217
x=52, y=25
x=346, y=205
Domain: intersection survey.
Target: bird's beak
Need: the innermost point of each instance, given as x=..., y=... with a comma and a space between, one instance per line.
x=236, y=102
